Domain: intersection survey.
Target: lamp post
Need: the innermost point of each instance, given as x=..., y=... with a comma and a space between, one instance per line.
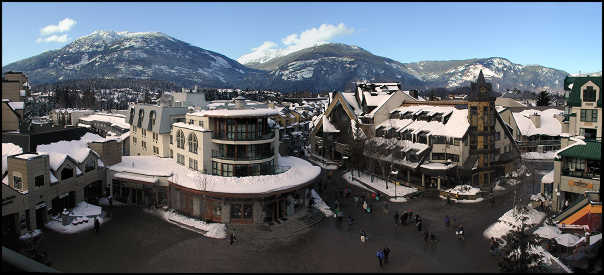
x=394, y=173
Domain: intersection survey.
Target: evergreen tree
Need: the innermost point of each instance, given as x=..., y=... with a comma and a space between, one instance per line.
x=519, y=255
x=544, y=99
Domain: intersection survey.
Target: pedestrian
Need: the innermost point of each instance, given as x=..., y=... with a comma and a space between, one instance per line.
x=363, y=237
x=110, y=201
x=365, y=205
x=380, y=256
x=416, y=218
x=386, y=253
x=350, y=220
x=311, y=202
x=232, y=238
x=426, y=236
x=396, y=218
x=97, y=225
x=419, y=225
x=447, y=222
x=459, y=232
x=373, y=195
x=385, y=208
x=492, y=246
x=448, y=200
x=410, y=216
x=433, y=239
x=404, y=218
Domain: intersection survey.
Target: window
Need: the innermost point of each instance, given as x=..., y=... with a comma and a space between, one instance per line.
x=141, y=114
x=589, y=115
x=453, y=157
x=155, y=150
x=66, y=173
x=39, y=181
x=171, y=138
x=17, y=182
x=89, y=165
x=151, y=120
x=180, y=159
x=589, y=94
x=134, y=140
x=192, y=143
x=155, y=137
x=180, y=139
x=144, y=132
x=171, y=154
x=456, y=141
x=144, y=144
x=497, y=135
x=201, y=123
x=193, y=163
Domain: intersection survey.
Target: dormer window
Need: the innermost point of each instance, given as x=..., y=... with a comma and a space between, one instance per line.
x=589, y=94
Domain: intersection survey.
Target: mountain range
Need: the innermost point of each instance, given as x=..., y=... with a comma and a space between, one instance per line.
x=332, y=66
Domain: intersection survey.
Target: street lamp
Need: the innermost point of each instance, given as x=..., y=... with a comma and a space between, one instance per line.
x=394, y=173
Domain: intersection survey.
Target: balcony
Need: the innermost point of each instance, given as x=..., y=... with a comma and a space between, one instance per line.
x=592, y=174
x=257, y=156
x=243, y=136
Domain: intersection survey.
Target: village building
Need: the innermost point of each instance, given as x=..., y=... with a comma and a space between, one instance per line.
x=577, y=166
x=109, y=125
x=15, y=89
x=150, y=128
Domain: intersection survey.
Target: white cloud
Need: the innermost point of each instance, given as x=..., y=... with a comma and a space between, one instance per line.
x=295, y=42
x=63, y=26
x=53, y=38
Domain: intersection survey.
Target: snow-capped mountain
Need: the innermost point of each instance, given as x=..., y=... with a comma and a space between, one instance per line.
x=140, y=55
x=501, y=72
x=333, y=66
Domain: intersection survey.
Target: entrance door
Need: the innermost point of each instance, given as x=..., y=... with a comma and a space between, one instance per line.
x=41, y=217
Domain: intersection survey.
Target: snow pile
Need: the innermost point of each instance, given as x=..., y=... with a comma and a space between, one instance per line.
x=380, y=185
x=463, y=190
x=57, y=226
x=548, y=178
x=463, y=201
x=299, y=172
x=509, y=220
x=321, y=205
x=30, y=234
x=537, y=197
x=592, y=239
x=84, y=209
x=537, y=155
x=212, y=230
x=9, y=149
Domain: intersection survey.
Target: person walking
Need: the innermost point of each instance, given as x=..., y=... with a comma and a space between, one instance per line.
x=410, y=215
x=493, y=246
x=433, y=240
x=404, y=218
x=386, y=253
x=363, y=237
x=365, y=205
x=459, y=232
x=447, y=221
x=396, y=218
x=419, y=225
x=97, y=225
x=380, y=256
x=232, y=238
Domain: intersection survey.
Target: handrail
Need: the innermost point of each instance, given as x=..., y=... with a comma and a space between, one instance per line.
x=23, y=263
x=235, y=137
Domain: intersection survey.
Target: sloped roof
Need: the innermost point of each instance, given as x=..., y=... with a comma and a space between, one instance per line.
x=162, y=113
x=328, y=127
x=352, y=102
x=574, y=98
x=456, y=126
x=550, y=125
x=590, y=150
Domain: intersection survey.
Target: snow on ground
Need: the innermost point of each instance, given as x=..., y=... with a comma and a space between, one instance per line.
x=380, y=185
x=498, y=186
x=84, y=209
x=57, y=225
x=506, y=222
x=346, y=177
x=536, y=155
x=464, y=190
x=30, y=234
x=463, y=201
x=212, y=230
x=548, y=178
x=321, y=205
x=552, y=232
x=537, y=197
x=105, y=202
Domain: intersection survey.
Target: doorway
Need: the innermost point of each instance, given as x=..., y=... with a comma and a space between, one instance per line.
x=41, y=217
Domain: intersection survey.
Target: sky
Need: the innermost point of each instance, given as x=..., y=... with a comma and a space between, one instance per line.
x=565, y=36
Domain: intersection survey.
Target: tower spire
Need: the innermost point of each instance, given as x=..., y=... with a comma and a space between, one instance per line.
x=480, y=77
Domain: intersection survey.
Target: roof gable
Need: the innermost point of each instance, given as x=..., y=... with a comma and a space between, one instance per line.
x=574, y=98
x=590, y=150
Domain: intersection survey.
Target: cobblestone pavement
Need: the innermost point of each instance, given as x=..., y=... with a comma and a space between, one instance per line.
x=134, y=241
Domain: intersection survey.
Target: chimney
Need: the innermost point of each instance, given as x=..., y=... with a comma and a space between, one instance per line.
x=536, y=119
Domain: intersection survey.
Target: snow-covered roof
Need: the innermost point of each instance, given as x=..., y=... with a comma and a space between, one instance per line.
x=84, y=125
x=77, y=149
x=9, y=149
x=27, y=156
x=464, y=190
x=22, y=93
x=438, y=166
x=131, y=176
x=116, y=120
x=376, y=100
x=190, y=127
x=456, y=126
x=300, y=172
x=550, y=125
x=352, y=101
x=18, y=105
x=328, y=127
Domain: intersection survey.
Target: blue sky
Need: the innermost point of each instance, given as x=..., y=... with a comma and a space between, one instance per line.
x=566, y=36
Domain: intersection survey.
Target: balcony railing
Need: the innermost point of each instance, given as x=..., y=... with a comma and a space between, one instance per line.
x=243, y=136
x=595, y=175
x=257, y=156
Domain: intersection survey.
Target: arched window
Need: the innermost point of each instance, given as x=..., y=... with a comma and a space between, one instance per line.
x=131, y=115
x=141, y=114
x=151, y=120
x=180, y=139
x=192, y=139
